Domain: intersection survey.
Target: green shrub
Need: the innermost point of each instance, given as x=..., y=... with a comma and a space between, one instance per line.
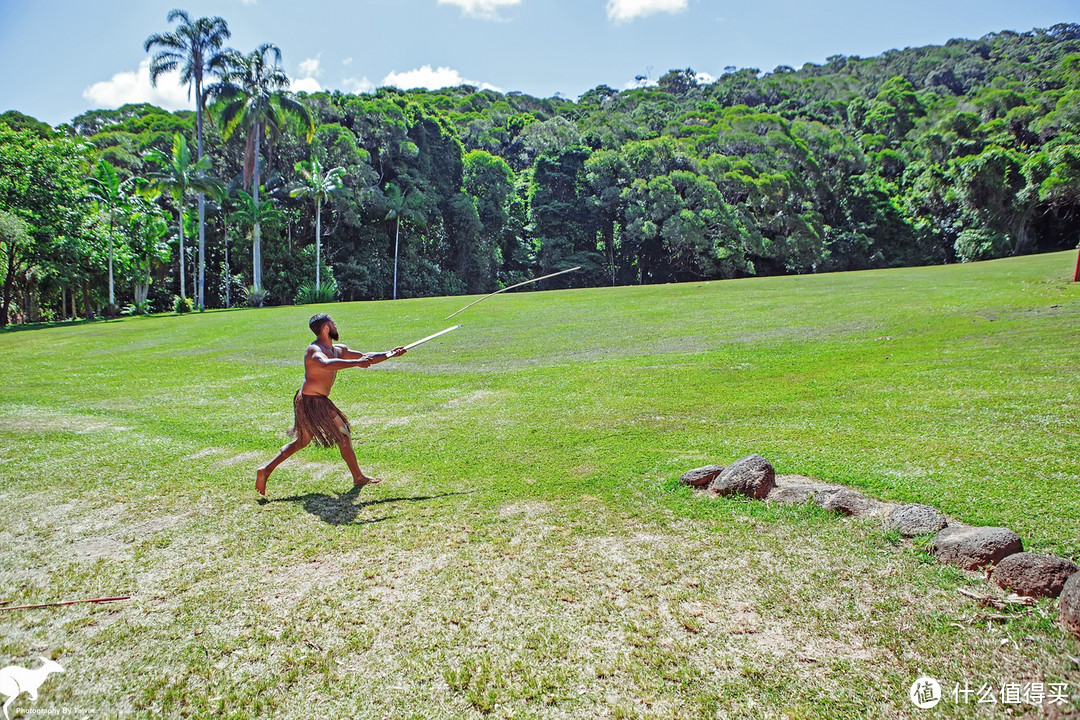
x=981, y=244
x=308, y=295
x=253, y=297
x=182, y=305
x=139, y=308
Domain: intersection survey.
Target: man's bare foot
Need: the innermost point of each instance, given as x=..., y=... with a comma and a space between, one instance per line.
x=260, y=481
x=363, y=480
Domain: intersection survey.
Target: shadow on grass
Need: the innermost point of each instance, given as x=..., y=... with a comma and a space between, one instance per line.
x=342, y=508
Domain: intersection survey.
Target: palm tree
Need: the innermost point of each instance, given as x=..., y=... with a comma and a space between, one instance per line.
x=195, y=49
x=254, y=97
x=318, y=184
x=180, y=176
x=252, y=212
x=108, y=192
x=401, y=205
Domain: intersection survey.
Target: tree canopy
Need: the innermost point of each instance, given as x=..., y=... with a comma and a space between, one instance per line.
x=964, y=151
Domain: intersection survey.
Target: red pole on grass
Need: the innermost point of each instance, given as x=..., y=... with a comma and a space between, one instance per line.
x=1076, y=275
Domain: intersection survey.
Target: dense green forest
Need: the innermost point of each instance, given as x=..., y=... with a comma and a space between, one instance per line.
x=937, y=154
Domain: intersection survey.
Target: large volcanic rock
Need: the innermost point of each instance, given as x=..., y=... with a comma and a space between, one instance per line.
x=1033, y=575
x=973, y=547
x=792, y=494
x=1069, y=605
x=701, y=476
x=849, y=502
x=752, y=476
x=914, y=519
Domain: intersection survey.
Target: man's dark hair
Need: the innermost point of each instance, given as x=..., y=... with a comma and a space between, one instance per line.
x=317, y=321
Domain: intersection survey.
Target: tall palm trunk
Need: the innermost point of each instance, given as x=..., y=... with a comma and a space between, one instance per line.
x=202, y=196
x=202, y=249
x=228, y=272
x=256, y=231
x=318, y=240
x=397, y=231
x=194, y=276
x=112, y=296
x=183, y=287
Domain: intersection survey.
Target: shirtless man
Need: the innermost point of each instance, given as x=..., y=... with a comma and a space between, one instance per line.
x=315, y=416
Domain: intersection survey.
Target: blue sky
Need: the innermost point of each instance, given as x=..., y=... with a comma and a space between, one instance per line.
x=59, y=58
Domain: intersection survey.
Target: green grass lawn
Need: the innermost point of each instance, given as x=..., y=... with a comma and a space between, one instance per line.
x=530, y=553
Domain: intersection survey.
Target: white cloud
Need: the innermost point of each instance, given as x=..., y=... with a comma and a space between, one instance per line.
x=643, y=82
x=305, y=84
x=357, y=85
x=307, y=73
x=347, y=61
x=432, y=79
x=626, y=10
x=704, y=78
x=485, y=9
x=135, y=87
x=309, y=68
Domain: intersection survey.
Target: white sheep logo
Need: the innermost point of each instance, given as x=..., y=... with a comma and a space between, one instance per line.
x=14, y=681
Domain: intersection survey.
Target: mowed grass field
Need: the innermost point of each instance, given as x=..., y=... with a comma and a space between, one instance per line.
x=530, y=553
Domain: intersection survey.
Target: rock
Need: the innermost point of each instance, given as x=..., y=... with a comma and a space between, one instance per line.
x=1069, y=605
x=701, y=476
x=914, y=519
x=752, y=476
x=973, y=547
x=1033, y=574
x=791, y=494
x=848, y=502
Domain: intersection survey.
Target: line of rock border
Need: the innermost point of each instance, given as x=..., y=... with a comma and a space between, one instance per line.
x=998, y=550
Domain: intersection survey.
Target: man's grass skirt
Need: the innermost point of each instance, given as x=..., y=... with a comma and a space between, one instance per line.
x=317, y=417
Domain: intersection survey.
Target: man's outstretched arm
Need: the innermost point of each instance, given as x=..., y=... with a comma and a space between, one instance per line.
x=371, y=358
x=330, y=363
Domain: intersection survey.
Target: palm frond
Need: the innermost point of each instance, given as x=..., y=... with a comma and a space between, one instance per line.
x=163, y=63
x=300, y=111
x=179, y=13
x=271, y=48
x=165, y=40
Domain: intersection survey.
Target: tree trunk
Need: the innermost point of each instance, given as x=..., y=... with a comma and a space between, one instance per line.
x=609, y=233
x=9, y=283
x=397, y=231
x=86, y=298
x=194, y=275
x=63, y=302
x=142, y=287
x=202, y=196
x=183, y=291
x=318, y=240
x=256, y=232
x=112, y=296
x=202, y=244
x=228, y=272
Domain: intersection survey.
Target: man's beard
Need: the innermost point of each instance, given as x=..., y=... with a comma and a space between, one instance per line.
x=333, y=334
